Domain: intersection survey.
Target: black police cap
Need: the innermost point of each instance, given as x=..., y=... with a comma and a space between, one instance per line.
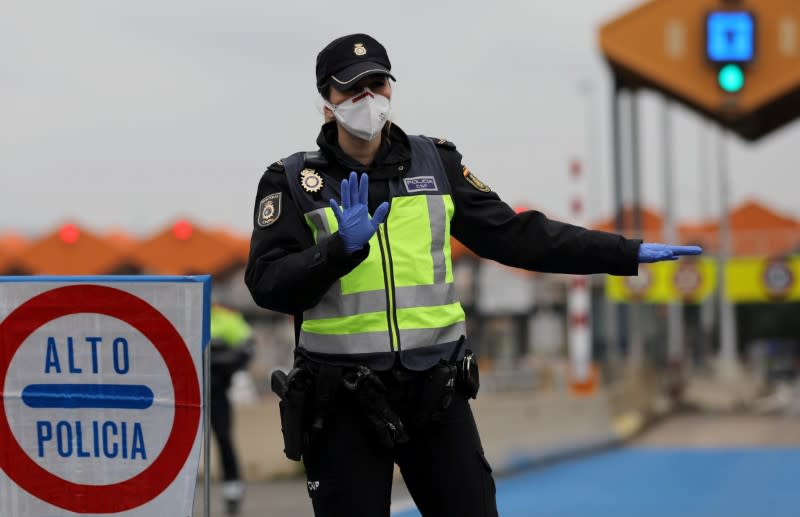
x=348, y=59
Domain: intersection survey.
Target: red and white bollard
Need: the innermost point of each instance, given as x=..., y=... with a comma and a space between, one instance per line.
x=579, y=334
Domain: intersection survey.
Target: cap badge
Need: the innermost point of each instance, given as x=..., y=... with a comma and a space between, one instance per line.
x=359, y=49
x=311, y=181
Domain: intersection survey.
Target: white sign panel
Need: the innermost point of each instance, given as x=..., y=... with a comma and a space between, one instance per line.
x=101, y=405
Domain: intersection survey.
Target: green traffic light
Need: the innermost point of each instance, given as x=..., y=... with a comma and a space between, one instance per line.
x=731, y=78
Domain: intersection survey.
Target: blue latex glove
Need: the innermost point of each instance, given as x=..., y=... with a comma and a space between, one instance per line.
x=654, y=252
x=355, y=225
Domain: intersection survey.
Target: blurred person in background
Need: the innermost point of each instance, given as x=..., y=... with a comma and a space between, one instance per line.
x=231, y=349
x=382, y=372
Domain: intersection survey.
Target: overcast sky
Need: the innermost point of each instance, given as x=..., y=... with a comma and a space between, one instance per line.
x=132, y=114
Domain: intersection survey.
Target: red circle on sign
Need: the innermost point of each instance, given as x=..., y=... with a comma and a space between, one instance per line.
x=687, y=279
x=778, y=278
x=153, y=480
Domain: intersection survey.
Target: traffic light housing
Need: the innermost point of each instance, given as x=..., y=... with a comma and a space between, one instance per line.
x=730, y=46
x=666, y=45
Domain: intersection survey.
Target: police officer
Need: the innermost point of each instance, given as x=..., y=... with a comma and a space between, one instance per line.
x=354, y=241
x=231, y=349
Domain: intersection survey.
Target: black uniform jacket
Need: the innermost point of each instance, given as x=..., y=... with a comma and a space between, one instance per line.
x=287, y=272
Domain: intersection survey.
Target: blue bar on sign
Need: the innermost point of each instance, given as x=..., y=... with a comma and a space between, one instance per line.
x=78, y=396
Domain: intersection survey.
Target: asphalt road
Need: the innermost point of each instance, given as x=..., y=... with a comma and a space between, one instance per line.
x=658, y=482
x=286, y=498
x=691, y=464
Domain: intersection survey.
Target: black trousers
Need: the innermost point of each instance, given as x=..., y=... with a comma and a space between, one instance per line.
x=350, y=474
x=222, y=421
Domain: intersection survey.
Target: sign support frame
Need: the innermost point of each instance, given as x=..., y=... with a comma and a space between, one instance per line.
x=206, y=431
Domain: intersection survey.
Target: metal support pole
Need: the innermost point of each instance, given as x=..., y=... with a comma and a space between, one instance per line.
x=636, y=165
x=616, y=107
x=591, y=170
x=675, y=308
x=728, y=360
x=617, y=315
x=207, y=431
x=636, y=354
x=591, y=153
x=704, y=189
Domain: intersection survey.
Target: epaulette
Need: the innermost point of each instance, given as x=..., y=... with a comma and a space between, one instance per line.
x=276, y=167
x=314, y=159
x=441, y=142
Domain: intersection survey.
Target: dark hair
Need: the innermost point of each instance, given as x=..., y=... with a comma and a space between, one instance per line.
x=325, y=91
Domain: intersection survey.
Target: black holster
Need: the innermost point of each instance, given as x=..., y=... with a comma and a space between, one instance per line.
x=294, y=390
x=370, y=394
x=436, y=393
x=468, y=379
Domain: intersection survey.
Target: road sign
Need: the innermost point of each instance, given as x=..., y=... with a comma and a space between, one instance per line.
x=101, y=402
x=755, y=279
x=736, y=62
x=687, y=281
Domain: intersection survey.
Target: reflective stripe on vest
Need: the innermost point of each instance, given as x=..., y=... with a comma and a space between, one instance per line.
x=360, y=313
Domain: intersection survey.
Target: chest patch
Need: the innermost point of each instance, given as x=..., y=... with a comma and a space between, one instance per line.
x=420, y=183
x=311, y=181
x=269, y=209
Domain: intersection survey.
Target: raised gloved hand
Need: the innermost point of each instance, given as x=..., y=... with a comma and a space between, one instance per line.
x=355, y=225
x=654, y=252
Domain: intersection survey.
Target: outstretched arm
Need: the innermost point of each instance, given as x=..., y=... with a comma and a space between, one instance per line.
x=530, y=240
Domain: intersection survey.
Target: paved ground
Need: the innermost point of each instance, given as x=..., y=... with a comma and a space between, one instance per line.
x=286, y=498
x=724, y=430
x=509, y=422
x=704, y=465
x=658, y=482
x=692, y=465
x=512, y=425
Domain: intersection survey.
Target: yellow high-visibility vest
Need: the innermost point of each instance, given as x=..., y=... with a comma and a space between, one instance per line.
x=401, y=297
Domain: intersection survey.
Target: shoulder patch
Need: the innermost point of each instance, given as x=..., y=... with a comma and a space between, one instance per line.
x=474, y=181
x=276, y=167
x=441, y=142
x=269, y=209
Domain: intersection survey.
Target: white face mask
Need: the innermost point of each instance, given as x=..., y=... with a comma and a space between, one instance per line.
x=362, y=115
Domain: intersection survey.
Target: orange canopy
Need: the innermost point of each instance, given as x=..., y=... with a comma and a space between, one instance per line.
x=240, y=243
x=71, y=250
x=652, y=224
x=120, y=239
x=11, y=245
x=183, y=249
x=755, y=229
